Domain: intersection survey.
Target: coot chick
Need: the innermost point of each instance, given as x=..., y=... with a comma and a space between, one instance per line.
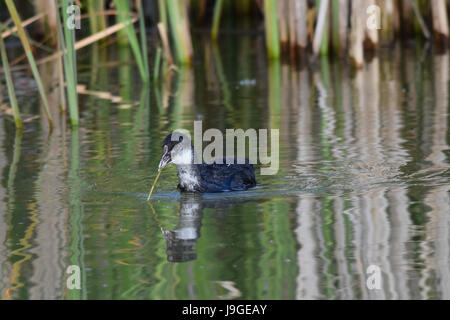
x=204, y=177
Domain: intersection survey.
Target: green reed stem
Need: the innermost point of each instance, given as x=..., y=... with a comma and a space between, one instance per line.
x=178, y=31
x=162, y=10
x=271, y=28
x=69, y=60
x=26, y=46
x=216, y=19
x=124, y=10
x=335, y=30
x=10, y=84
x=156, y=67
x=92, y=12
x=143, y=35
x=97, y=20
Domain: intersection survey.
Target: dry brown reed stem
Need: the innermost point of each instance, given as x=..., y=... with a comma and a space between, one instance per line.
x=177, y=12
x=81, y=89
x=344, y=11
x=301, y=27
x=165, y=41
x=24, y=24
x=291, y=21
x=371, y=34
x=91, y=39
x=357, y=34
x=407, y=22
x=282, y=24
x=187, y=28
x=397, y=19
x=440, y=20
x=389, y=10
x=48, y=25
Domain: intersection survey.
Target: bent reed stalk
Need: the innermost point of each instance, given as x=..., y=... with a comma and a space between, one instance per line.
x=28, y=52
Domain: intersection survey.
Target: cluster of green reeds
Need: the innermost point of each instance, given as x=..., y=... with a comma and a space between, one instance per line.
x=174, y=18
x=292, y=28
x=62, y=23
x=29, y=54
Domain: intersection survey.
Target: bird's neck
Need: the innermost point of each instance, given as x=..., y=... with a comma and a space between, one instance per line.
x=189, y=177
x=184, y=157
x=188, y=172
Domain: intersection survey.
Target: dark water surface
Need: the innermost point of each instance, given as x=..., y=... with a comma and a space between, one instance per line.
x=364, y=180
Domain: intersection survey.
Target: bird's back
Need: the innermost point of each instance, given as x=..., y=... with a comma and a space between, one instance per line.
x=227, y=177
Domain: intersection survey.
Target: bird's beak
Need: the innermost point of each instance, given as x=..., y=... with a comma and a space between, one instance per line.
x=165, y=160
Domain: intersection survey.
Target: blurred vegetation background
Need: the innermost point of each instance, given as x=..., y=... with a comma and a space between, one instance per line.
x=298, y=30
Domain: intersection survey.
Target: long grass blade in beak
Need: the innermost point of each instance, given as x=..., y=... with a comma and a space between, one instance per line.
x=153, y=186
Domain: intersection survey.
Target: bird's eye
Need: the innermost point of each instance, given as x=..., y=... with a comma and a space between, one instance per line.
x=181, y=139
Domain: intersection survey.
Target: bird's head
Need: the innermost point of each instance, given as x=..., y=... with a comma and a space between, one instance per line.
x=177, y=149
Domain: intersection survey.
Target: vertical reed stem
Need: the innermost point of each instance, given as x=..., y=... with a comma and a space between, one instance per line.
x=357, y=33
x=97, y=20
x=165, y=41
x=321, y=32
x=272, y=39
x=143, y=34
x=301, y=25
x=344, y=12
x=440, y=20
x=124, y=9
x=291, y=20
x=181, y=36
x=93, y=20
x=282, y=25
x=387, y=20
x=423, y=25
x=216, y=19
x=156, y=66
x=407, y=24
x=371, y=34
x=162, y=10
x=70, y=69
x=335, y=35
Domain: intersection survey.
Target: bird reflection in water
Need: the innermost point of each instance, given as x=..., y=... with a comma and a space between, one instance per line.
x=181, y=242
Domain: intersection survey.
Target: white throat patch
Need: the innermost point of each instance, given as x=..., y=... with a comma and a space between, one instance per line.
x=182, y=157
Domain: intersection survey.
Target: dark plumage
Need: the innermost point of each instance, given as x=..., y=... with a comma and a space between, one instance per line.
x=226, y=177
x=205, y=177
